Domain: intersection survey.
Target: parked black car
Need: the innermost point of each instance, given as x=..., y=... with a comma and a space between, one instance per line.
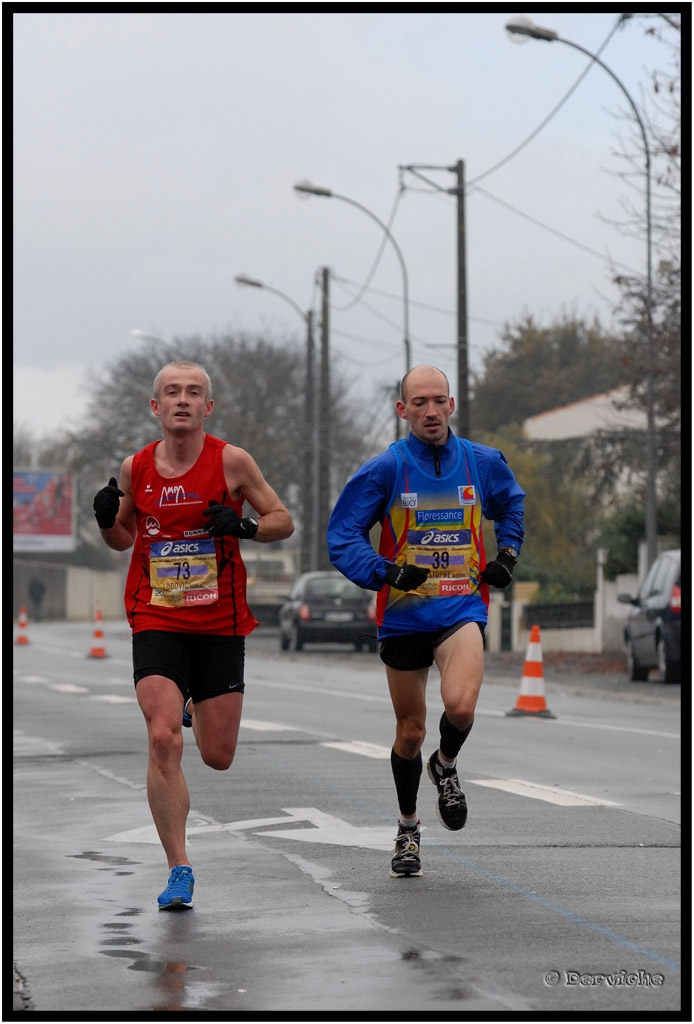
x=652, y=634
x=327, y=607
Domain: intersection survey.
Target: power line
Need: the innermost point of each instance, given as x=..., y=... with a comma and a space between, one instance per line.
x=551, y=114
x=472, y=183
x=553, y=231
x=420, y=305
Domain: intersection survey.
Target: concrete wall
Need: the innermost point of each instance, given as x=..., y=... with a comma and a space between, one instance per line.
x=89, y=589
x=69, y=591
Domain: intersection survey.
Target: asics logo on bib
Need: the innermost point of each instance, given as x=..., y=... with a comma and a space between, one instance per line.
x=434, y=537
x=179, y=548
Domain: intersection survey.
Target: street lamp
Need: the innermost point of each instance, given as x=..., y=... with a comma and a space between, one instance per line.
x=309, y=535
x=522, y=27
x=306, y=188
x=146, y=336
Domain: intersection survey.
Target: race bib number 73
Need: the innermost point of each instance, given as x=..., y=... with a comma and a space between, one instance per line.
x=183, y=573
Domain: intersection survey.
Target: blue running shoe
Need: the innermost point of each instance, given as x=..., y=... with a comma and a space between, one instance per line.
x=178, y=894
x=187, y=720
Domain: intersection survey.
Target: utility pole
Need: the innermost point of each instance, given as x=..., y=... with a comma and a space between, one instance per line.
x=307, y=545
x=322, y=561
x=463, y=396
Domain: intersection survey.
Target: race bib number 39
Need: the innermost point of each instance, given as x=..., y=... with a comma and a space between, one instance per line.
x=183, y=573
x=446, y=554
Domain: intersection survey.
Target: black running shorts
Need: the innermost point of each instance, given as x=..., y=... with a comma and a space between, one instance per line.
x=200, y=664
x=412, y=651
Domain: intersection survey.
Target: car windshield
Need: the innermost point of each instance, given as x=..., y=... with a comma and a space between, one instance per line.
x=332, y=587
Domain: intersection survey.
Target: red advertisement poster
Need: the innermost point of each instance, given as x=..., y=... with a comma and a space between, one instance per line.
x=43, y=510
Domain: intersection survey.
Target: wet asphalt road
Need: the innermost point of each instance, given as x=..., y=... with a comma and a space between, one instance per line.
x=561, y=895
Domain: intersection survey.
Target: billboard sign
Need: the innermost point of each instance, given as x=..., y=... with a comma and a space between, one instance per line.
x=43, y=510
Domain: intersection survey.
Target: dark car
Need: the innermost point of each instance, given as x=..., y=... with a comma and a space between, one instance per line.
x=652, y=633
x=327, y=607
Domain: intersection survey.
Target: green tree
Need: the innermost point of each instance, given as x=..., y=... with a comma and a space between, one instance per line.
x=621, y=531
x=559, y=547
x=259, y=389
x=660, y=113
x=540, y=368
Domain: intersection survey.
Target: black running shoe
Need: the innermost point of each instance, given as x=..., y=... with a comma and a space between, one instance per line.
x=406, y=862
x=451, y=807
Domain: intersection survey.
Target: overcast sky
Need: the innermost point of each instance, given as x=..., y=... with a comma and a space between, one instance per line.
x=155, y=156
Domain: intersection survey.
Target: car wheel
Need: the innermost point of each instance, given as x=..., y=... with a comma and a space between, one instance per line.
x=297, y=641
x=668, y=669
x=635, y=671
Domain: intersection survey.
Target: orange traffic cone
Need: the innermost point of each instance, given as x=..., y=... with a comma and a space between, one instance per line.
x=531, y=699
x=22, y=637
x=98, y=650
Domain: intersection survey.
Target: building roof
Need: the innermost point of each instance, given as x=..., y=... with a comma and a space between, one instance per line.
x=601, y=412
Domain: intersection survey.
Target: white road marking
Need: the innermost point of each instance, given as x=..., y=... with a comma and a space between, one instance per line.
x=23, y=745
x=327, y=829
x=491, y=712
x=69, y=688
x=32, y=679
x=359, y=747
x=586, y=725
x=536, y=791
x=252, y=723
x=113, y=698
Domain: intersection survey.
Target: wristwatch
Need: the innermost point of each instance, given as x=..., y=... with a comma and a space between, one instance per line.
x=254, y=524
x=511, y=552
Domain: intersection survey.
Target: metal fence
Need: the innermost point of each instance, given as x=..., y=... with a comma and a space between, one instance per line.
x=560, y=614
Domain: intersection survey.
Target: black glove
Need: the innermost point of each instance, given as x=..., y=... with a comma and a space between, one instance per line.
x=499, y=573
x=107, y=503
x=226, y=522
x=405, y=577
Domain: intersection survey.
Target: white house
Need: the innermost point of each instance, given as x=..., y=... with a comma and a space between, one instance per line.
x=606, y=411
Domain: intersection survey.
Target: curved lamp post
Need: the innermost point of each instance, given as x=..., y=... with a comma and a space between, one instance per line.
x=522, y=27
x=309, y=538
x=136, y=332
x=306, y=188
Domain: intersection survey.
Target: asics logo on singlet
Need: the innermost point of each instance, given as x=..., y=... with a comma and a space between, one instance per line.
x=179, y=548
x=435, y=537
